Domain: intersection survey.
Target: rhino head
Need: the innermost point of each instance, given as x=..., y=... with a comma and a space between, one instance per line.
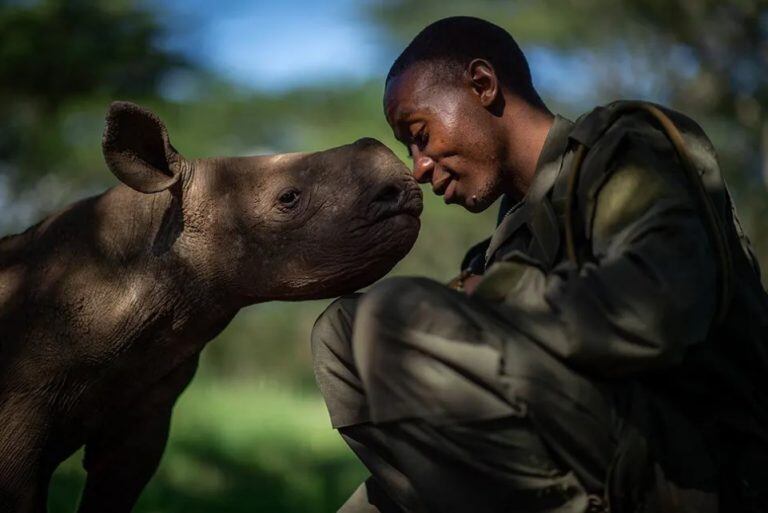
x=273, y=227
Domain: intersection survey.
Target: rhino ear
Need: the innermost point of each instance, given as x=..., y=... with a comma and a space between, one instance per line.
x=137, y=149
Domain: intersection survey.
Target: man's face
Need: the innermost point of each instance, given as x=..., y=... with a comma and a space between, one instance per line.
x=454, y=141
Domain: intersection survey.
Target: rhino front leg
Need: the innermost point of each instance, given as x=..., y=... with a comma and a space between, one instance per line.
x=121, y=463
x=123, y=456
x=25, y=490
x=24, y=476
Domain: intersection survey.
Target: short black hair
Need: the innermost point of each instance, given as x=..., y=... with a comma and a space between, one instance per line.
x=452, y=43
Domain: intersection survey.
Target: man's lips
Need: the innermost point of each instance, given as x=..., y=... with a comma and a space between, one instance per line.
x=450, y=191
x=447, y=186
x=440, y=186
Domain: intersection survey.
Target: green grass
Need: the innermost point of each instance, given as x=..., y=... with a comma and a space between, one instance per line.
x=240, y=448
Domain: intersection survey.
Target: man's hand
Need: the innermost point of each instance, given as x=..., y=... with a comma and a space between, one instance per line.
x=465, y=282
x=470, y=283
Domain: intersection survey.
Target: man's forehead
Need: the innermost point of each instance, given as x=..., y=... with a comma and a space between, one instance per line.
x=409, y=91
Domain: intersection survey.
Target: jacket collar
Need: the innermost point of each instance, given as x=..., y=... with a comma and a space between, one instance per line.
x=511, y=216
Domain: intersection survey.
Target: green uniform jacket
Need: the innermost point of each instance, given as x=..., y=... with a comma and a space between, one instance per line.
x=640, y=308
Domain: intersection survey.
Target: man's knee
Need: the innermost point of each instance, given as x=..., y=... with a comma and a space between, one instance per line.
x=394, y=300
x=384, y=315
x=333, y=363
x=395, y=305
x=331, y=340
x=422, y=352
x=332, y=331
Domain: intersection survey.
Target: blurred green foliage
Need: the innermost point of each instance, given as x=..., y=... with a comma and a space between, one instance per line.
x=251, y=434
x=57, y=53
x=236, y=449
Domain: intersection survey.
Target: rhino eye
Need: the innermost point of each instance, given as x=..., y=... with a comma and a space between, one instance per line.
x=288, y=198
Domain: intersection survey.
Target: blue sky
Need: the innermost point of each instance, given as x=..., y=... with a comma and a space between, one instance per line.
x=279, y=45
x=274, y=46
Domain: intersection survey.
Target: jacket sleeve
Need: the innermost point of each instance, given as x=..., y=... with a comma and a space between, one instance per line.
x=648, y=294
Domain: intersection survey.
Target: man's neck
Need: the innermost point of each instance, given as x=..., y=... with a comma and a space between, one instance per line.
x=528, y=127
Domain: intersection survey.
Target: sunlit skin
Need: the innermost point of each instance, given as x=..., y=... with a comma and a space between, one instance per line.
x=470, y=136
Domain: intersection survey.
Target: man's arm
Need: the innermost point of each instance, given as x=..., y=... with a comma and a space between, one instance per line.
x=649, y=293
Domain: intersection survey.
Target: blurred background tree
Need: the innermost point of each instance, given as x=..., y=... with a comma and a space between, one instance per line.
x=55, y=54
x=238, y=77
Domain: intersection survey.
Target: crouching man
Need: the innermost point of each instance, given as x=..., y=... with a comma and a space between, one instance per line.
x=606, y=349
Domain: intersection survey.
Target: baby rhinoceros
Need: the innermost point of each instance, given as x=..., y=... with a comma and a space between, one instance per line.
x=106, y=305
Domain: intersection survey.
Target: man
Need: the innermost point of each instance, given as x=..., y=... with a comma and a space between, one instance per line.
x=608, y=351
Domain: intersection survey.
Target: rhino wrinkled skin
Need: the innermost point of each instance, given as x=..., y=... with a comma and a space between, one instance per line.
x=106, y=305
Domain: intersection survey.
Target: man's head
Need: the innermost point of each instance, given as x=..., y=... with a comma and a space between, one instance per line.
x=450, y=97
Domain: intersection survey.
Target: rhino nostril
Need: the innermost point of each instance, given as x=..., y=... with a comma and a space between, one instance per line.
x=389, y=194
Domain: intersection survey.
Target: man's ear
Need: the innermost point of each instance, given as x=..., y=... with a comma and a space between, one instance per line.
x=485, y=83
x=137, y=149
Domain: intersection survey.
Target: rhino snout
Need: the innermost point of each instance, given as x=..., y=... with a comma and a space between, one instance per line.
x=400, y=195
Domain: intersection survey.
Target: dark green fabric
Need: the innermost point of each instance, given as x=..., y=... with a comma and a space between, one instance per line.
x=414, y=378
x=641, y=310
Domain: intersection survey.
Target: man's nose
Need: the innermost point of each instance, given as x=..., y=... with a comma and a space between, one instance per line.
x=423, y=167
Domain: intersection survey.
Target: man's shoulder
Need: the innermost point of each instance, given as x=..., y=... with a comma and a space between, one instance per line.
x=632, y=133
x=631, y=166
x=630, y=117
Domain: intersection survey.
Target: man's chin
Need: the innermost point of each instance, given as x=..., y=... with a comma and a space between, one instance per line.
x=476, y=203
